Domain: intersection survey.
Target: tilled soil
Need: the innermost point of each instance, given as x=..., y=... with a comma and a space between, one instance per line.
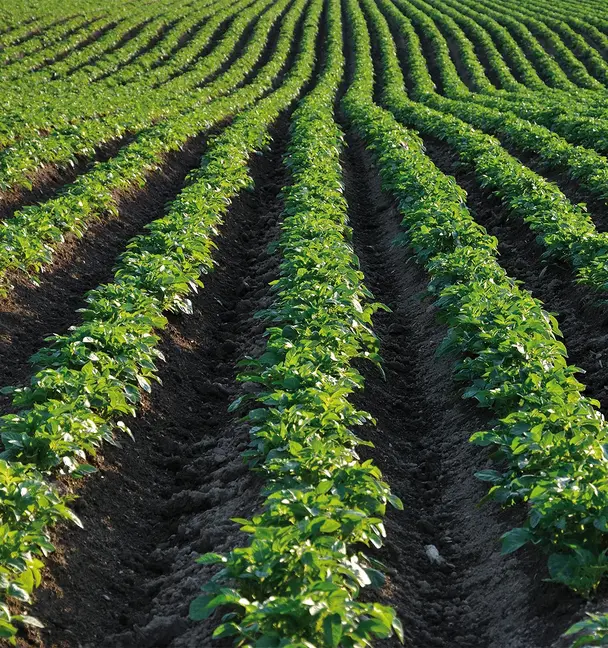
x=128, y=578
x=30, y=313
x=474, y=597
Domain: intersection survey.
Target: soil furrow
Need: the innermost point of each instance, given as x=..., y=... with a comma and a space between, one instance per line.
x=474, y=597
x=50, y=179
x=127, y=580
x=30, y=313
x=463, y=72
x=430, y=58
x=582, y=319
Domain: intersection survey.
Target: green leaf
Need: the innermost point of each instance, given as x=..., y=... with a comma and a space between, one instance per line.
x=236, y=403
x=492, y=476
x=329, y=526
x=563, y=568
x=31, y=621
x=210, y=559
x=226, y=630
x=200, y=608
x=83, y=470
x=270, y=358
x=514, y=539
x=395, y=502
x=258, y=415
x=398, y=628
x=18, y=593
x=332, y=630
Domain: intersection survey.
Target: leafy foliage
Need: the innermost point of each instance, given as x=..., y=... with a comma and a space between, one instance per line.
x=297, y=581
x=548, y=439
x=90, y=378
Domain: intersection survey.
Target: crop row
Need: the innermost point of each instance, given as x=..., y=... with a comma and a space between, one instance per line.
x=585, y=165
x=571, y=48
x=64, y=144
x=297, y=581
x=587, y=69
x=570, y=111
x=548, y=438
x=53, y=59
x=473, y=32
x=563, y=228
x=27, y=240
x=89, y=379
x=63, y=35
x=76, y=99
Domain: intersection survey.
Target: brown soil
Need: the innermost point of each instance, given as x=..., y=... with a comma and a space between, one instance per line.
x=582, y=318
x=477, y=598
x=127, y=580
x=31, y=313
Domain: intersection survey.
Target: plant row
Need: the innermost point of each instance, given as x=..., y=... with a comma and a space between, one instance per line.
x=90, y=379
x=507, y=60
x=28, y=239
x=586, y=69
x=423, y=17
x=68, y=104
x=446, y=29
x=564, y=229
x=583, y=63
x=297, y=581
x=66, y=143
x=585, y=165
x=548, y=439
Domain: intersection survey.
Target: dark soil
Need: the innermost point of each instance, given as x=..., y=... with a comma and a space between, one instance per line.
x=476, y=598
x=31, y=313
x=431, y=59
x=127, y=580
x=51, y=179
x=463, y=71
x=583, y=320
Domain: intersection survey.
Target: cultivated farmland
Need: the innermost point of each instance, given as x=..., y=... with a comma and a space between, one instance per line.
x=303, y=323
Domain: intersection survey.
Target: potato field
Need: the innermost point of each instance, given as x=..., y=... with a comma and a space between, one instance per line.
x=303, y=323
